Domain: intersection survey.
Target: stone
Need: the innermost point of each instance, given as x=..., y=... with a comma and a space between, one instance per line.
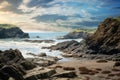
x=27, y=65
x=68, y=68
x=40, y=73
x=12, y=72
x=42, y=55
x=106, y=72
x=117, y=63
x=101, y=61
x=66, y=74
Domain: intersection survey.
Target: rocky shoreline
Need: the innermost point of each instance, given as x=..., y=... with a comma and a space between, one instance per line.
x=104, y=42
x=13, y=66
x=97, y=58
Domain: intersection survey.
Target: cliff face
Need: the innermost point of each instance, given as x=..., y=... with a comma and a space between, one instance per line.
x=107, y=37
x=13, y=32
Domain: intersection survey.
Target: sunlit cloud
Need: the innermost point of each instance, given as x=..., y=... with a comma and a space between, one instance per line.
x=56, y=15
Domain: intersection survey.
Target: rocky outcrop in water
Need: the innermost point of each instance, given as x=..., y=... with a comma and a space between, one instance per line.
x=13, y=32
x=76, y=35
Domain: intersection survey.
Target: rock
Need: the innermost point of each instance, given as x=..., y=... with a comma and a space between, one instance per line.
x=102, y=61
x=14, y=64
x=68, y=68
x=66, y=74
x=106, y=72
x=64, y=45
x=70, y=48
x=12, y=32
x=39, y=73
x=42, y=55
x=76, y=35
x=27, y=65
x=106, y=39
x=117, y=64
x=44, y=61
x=11, y=72
x=31, y=54
x=84, y=70
x=10, y=56
x=39, y=41
x=104, y=42
x=33, y=77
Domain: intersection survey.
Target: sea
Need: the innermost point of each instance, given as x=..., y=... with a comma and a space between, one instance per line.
x=36, y=48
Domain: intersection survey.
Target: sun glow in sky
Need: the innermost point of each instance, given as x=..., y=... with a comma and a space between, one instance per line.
x=57, y=15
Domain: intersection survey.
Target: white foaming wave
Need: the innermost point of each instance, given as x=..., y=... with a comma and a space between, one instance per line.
x=36, y=48
x=24, y=47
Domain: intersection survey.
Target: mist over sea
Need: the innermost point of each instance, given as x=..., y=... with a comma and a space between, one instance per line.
x=36, y=48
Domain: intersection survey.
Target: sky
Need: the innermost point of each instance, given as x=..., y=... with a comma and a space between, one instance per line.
x=57, y=15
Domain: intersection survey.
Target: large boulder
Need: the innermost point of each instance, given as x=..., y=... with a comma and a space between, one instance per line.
x=106, y=39
x=11, y=32
x=13, y=64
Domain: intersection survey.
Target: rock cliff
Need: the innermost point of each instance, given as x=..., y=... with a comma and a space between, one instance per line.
x=106, y=39
x=11, y=32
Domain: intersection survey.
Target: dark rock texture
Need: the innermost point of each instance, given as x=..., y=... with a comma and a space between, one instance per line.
x=106, y=39
x=13, y=32
x=76, y=35
x=13, y=64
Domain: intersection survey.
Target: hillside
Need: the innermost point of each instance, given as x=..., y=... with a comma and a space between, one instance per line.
x=11, y=31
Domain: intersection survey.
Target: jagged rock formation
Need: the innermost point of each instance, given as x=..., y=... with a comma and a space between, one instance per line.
x=76, y=35
x=12, y=32
x=13, y=64
x=106, y=39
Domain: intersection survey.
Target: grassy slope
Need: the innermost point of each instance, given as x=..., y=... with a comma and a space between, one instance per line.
x=6, y=26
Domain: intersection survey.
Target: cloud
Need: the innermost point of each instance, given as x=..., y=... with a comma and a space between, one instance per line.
x=12, y=6
x=50, y=18
x=39, y=3
x=57, y=14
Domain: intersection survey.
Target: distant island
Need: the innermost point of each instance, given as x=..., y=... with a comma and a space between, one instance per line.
x=11, y=31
